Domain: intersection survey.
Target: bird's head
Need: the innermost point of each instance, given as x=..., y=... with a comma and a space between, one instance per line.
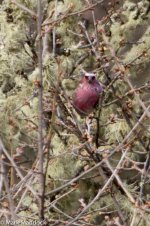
x=89, y=77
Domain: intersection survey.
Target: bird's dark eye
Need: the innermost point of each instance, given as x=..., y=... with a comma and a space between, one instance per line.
x=93, y=77
x=86, y=77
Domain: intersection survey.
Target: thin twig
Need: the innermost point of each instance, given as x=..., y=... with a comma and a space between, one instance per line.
x=74, y=179
x=17, y=169
x=22, y=197
x=143, y=176
x=133, y=129
x=54, y=29
x=88, y=38
x=118, y=208
x=100, y=192
x=11, y=201
x=120, y=182
x=71, y=14
x=40, y=127
x=24, y=8
x=121, y=68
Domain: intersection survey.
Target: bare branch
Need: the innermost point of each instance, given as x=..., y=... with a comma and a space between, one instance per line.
x=100, y=192
x=17, y=169
x=74, y=179
x=53, y=22
x=24, y=8
x=40, y=127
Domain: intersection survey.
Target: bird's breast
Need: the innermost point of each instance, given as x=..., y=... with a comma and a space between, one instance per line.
x=85, y=98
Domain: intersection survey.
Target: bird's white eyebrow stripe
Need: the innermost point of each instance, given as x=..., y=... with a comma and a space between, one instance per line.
x=90, y=74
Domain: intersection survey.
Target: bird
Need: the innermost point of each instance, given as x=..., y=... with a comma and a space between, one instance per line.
x=87, y=94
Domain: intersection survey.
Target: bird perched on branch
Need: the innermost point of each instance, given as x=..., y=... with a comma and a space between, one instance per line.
x=87, y=94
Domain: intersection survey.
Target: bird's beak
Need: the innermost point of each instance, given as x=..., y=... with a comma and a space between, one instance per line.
x=89, y=79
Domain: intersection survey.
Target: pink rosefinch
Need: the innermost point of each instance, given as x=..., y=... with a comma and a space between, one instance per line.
x=87, y=94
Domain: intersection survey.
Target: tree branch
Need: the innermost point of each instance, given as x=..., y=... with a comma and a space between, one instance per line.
x=40, y=127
